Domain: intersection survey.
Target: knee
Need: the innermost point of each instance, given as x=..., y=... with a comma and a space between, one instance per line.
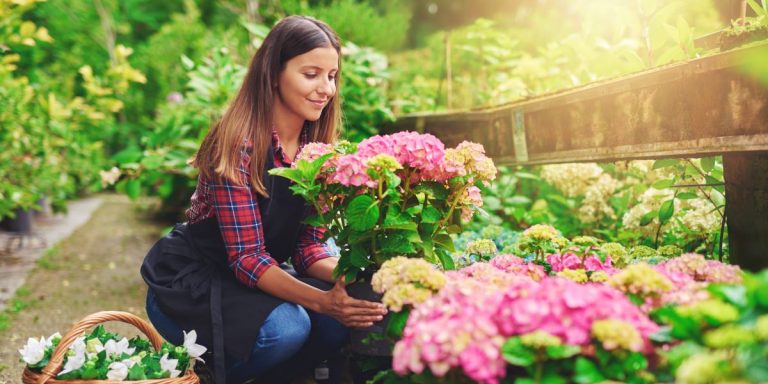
x=286, y=329
x=331, y=332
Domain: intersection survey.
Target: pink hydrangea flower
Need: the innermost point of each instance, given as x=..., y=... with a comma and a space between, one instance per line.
x=351, y=171
x=701, y=269
x=567, y=310
x=465, y=324
x=313, y=151
x=420, y=151
x=376, y=145
x=517, y=266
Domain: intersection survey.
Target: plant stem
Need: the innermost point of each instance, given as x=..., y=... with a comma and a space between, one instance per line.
x=442, y=222
x=539, y=371
x=407, y=189
x=702, y=189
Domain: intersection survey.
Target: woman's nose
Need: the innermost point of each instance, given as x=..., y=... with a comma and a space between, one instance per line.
x=326, y=88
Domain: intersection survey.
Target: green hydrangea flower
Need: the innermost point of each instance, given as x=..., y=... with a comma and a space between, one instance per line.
x=728, y=336
x=642, y=251
x=617, y=252
x=710, y=310
x=577, y=275
x=670, y=251
x=617, y=334
x=540, y=339
x=484, y=248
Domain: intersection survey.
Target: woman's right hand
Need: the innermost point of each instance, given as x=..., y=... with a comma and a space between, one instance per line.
x=349, y=311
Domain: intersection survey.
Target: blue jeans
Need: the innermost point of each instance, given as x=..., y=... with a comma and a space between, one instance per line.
x=289, y=331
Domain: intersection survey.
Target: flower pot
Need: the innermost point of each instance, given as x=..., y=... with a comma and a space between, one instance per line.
x=369, y=341
x=21, y=223
x=43, y=207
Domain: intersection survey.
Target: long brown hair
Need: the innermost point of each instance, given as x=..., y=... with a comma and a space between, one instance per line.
x=250, y=113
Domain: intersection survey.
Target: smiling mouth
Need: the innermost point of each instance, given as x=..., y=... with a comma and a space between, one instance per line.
x=317, y=103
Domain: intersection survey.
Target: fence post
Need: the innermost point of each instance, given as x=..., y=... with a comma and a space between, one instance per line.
x=746, y=195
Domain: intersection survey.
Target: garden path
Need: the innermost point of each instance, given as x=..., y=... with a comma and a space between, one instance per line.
x=93, y=268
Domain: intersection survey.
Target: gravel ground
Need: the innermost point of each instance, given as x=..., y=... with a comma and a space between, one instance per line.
x=95, y=269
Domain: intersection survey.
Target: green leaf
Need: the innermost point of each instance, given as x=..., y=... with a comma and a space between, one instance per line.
x=518, y=200
x=648, y=217
x=527, y=175
x=718, y=198
x=707, y=164
x=666, y=210
x=397, y=244
x=445, y=242
x=136, y=372
x=446, y=260
x=687, y=195
x=152, y=162
x=359, y=256
x=311, y=169
x=187, y=63
x=453, y=228
x=434, y=190
x=663, y=163
x=133, y=188
x=516, y=353
x=682, y=328
x=128, y=155
x=292, y=174
x=664, y=184
x=314, y=221
x=759, y=10
x=734, y=294
x=396, y=323
x=430, y=214
x=553, y=378
x=362, y=213
x=562, y=351
x=586, y=372
x=635, y=362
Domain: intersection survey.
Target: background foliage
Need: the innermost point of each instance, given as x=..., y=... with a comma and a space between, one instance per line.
x=93, y=84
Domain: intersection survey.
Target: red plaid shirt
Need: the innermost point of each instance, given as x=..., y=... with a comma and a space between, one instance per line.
x=237, y=211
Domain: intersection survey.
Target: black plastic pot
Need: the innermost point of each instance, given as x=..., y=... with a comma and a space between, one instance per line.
x=369, y=341
x=21, y=223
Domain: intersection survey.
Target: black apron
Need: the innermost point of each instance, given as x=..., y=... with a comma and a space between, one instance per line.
x=189, y=274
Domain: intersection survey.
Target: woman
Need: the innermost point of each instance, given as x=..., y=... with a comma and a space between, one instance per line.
x=222, y=273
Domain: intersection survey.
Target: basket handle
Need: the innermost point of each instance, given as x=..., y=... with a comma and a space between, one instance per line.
x=57, y=358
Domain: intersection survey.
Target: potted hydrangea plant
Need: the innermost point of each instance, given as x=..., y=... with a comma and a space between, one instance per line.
x=389, y=196
x=393, y=195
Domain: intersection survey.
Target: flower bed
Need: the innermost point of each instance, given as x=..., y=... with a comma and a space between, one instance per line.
x=574, y=316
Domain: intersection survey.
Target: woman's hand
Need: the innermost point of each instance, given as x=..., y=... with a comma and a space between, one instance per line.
x=350, y=311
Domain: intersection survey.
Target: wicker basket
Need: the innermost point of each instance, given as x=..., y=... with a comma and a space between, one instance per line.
x=48, y=374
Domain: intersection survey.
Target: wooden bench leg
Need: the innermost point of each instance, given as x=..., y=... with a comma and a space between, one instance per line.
x=746, y=195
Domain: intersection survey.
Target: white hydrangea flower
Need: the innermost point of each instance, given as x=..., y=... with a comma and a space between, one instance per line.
x=596, y=204
x=75, y=356
x=34, y=351
x=118, y=371
x=571, y=179
x=116, y=349
x=169, y=365
x=194, y=350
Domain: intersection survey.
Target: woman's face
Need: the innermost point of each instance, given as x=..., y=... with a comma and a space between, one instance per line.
x=308, y=82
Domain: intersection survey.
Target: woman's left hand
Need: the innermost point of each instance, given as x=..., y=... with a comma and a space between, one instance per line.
x=349, y=311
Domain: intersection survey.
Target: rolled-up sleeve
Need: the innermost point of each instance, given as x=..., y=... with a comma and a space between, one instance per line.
x=310, y=249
